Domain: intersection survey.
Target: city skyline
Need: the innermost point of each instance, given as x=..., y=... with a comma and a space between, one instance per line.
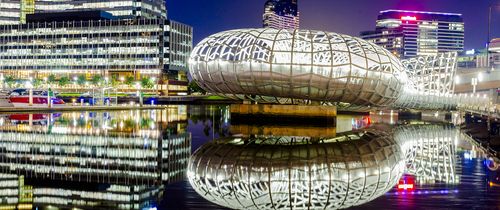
x=208, y=18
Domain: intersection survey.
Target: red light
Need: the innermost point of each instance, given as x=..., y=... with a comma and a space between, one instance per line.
x=409, y=18
x=406, y=183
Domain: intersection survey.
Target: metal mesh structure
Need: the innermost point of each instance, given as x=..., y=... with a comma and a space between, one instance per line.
x=356, y=167
x=431, y=84
x=300, y=66
x=430, y=152
x=283, y=65
x=295, y=173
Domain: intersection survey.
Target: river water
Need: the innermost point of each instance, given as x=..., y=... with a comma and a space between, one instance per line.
x=199, y=157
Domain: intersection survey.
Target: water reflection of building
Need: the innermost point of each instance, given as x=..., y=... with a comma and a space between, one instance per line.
x=17, y=194
x=95, y=162
x=294, y=172
x=116, y=123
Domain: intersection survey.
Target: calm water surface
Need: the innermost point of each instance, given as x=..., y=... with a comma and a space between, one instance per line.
x=198, y=157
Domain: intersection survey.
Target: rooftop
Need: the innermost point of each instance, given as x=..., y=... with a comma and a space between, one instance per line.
x=420, y=12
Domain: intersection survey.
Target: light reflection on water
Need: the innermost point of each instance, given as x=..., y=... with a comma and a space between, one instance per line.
x=138, y=159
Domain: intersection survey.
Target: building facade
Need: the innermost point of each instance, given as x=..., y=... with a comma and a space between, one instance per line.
x=178, y=49
x=416, y=33
x=15, y=11
x=86, y=40
x=104, y=47
x=281, y=14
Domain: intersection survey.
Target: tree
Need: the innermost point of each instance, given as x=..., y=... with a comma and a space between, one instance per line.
x=129, y=80
x=51, y=79
x=9, y=80
x=96, y=79
x=63, y=81
x=147, y=83
x=114, y=81
x=37, y=83
x=81, y=80
x=193, y=87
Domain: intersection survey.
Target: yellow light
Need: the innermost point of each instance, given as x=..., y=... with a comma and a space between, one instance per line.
x=25, y=206
x=7, y=207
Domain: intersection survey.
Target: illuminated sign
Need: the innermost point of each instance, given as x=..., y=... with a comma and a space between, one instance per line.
x=408, y=18
x=405, y=186
x=407, y=182
x=470, y=52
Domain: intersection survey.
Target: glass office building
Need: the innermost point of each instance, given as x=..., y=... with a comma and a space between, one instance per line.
x=281, y=14
x=178, y=49
x=82, y=47
x=122, y=47
x=95, y=38
x=15, y=11
x=415, y=33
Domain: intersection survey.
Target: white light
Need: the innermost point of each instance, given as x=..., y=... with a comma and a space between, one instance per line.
x=28, y=84
x=457, y=79
x=480, y=77
x=470, y=52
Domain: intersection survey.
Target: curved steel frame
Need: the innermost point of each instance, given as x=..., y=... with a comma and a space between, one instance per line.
x=285, y=65
x=294, y=173
x=300, y=66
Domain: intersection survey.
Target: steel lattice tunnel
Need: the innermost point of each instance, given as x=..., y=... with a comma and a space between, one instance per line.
x=297, y=64
x=290, y=66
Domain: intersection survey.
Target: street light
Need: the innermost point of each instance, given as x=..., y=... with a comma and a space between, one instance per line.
x=1, y=81
x=29, y=86
x=488, y=42
x=474, y=84
x=139, y=94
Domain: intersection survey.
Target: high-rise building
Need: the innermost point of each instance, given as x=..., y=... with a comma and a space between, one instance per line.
x=114, y=39
x=416, y=33
x=281, y=14
x=179, y=48
x=14, y=11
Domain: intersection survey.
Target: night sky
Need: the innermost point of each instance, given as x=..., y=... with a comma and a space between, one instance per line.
x=342, y=16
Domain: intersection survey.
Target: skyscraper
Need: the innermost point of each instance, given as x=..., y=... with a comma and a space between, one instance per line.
x=416, y=33
x=281, y=14
x=14, y=11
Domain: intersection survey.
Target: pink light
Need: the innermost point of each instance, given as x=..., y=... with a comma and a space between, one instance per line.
x=409, y=18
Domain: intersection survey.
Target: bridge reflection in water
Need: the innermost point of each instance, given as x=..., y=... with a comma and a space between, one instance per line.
x=130, y=159
x=353, y=168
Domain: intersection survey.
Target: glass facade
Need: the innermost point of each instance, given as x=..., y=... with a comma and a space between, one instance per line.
x=281, y=14
x=141, y=47
x=179, y=48
x=14, y=11
x=414, y=33
x=87, y=47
